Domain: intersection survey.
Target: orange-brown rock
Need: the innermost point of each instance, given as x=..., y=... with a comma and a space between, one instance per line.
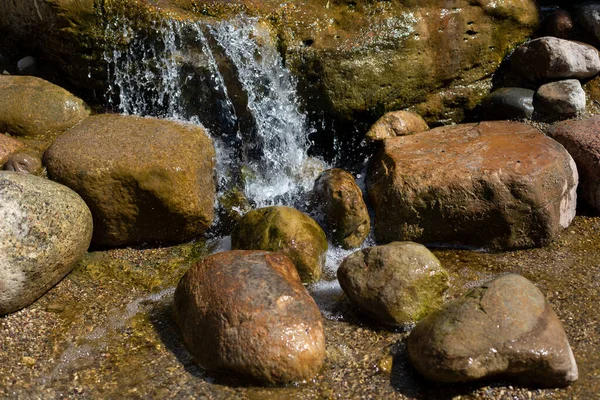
x=144, y=179
x=396, y=123
x=342, y=207
x=247, y=312
x=497, y=185
x=8, y=146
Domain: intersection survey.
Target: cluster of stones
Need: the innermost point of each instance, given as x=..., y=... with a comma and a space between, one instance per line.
x=554, y=67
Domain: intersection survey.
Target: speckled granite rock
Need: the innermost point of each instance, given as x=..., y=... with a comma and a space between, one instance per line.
x=247, y=312
x=506, y=327
x=395, y=284
x=45, y=228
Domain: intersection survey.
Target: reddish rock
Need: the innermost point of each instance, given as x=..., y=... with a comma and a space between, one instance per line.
x=8, y=146
x=581, y=138
x=396, y=123
x=247, y=312
x=497, y=185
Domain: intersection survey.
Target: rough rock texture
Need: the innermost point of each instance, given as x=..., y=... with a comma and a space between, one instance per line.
x=396, y=123
x=588, y=16
x=33, y=107
x=145, y=179
x=507, y=103
x=341, y=203
x=8, y=146
x=25, y=163
x=559, y=100
x=551, y=58
x=559, y=24
x=247, y=312
x=395, y=284
x=505, y=327
x=45, y=229
x=288, y=231
x=581, y=138
x=496, y=185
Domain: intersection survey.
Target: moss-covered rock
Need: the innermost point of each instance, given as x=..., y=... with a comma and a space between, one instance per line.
x=288, y=231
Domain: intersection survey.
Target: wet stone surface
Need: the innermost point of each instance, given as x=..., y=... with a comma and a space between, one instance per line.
x=107, y=331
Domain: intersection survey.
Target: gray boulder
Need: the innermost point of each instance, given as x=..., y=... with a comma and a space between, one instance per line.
x=45, y=229
x=559, y=100
x=551, y=58
x=504, y=328
x=395, y=284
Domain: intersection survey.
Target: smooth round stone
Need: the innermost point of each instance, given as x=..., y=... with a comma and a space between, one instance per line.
x=559, y=100
x=396, y=123
x=507, y=104
x=27, y=66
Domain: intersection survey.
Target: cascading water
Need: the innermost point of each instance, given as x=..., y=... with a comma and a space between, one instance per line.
x=229, y=78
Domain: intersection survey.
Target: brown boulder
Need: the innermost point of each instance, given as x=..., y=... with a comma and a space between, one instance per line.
x=247, y=312
x=341, y=203
x=581, y=138
x=145, y=179
x=497, y=185
x=396, y=123
x=8, y=146
x=32, y=107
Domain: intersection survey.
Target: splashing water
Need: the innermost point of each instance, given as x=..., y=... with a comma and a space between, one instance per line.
x=175, y=73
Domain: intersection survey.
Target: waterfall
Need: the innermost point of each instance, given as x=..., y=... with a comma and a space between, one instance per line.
x=229, y=78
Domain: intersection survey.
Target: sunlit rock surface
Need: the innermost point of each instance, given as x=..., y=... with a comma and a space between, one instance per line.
x=504, y=327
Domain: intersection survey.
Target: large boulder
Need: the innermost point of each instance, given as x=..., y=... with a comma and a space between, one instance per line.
x=145, y=179
x=45, y=229
x=340, y=202
x=288, y=231
x=505, y=328
x=31, y=107
x=551, y=58
x=395, y=284
x=8, y=146
x=247, y=312
x=581, y=138
x=497, y=185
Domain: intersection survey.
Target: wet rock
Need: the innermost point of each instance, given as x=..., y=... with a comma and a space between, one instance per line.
x=341, y=203
x=24, y=163
x=8, y=146
x=45, y=229
x=288, y=231
x=26, y=66
x=247, y=312
x=559, y=24
x=395, y=284
x=396, y=123
x=588, y=16
x=551, y=58
x=582, y=141
x=497, y=185
x=504, y=328
x=508, y=103
x=146, y=180
x=559, y=100
x=33, y=107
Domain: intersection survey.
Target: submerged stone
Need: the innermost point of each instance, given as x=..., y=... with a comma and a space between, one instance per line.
x=505, y=328
x=497, y=185
x=247, y=312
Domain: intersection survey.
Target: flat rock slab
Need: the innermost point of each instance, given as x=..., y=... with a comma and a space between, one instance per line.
x=497, y=185
x=45, y=229
x=247, y=312
x=581, y=138
x=503, y=328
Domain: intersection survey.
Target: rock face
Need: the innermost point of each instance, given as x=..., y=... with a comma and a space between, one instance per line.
x=8, y=146
x=497, y=185
x=145, y=180
x=247, y=312
x=507, y=103
x=582, y=141
x=341, y=203
x=288, y=231
x=395, y=284
x=45, y=229
x=550, y=58
x=503, y=328
x=396, y=123
x=33, y=107
x=559, y=100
